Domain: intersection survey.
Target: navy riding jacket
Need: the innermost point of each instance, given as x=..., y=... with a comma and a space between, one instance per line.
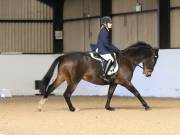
x=103, y=43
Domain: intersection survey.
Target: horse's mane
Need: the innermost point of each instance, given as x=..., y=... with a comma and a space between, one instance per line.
x=138, y=45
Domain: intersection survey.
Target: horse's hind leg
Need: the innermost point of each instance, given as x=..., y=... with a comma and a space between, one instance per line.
x=50, y=89
x=67, y=95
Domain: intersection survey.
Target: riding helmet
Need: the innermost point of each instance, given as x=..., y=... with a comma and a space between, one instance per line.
x=105, y=20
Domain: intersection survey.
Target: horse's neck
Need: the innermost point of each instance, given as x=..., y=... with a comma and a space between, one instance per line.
x=134, y=59
x=137, y=59
x=137, y=53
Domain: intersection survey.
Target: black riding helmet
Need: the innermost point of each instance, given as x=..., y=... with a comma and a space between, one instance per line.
x=105, y=20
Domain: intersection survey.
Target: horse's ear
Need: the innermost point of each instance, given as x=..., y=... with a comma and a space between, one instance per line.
x=156, y=50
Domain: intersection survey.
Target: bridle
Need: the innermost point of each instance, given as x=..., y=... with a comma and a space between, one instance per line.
x=155, y=59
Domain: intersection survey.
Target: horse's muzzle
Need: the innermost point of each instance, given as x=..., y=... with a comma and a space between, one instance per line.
x=147, y=72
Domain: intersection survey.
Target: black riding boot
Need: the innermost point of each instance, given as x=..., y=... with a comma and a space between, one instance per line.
x=106, y=69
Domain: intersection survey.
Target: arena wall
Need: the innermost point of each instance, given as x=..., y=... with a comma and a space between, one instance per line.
x=19, y=72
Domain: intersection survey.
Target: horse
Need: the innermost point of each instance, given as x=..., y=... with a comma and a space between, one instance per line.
x=76, y=66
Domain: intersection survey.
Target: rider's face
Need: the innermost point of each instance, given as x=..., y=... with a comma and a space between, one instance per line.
x=109, y=25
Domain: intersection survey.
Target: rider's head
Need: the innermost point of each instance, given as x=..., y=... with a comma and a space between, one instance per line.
x=106, y=21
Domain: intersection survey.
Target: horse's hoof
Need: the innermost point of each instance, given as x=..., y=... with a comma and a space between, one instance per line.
x=147, y=108
x=72, y=109
x=110, y=108
x=39, y=110
x=77, y=110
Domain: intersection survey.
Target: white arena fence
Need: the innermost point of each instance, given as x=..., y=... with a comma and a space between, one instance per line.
x=19, y=72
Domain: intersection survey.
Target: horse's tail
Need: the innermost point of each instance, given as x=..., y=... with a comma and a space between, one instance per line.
x=46, y=79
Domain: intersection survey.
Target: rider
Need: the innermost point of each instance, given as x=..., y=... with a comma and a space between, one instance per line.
x=104, y=47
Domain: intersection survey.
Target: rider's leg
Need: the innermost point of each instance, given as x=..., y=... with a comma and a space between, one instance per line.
x=107, y=64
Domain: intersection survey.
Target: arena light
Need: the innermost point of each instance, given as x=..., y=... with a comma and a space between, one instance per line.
x=138, y=7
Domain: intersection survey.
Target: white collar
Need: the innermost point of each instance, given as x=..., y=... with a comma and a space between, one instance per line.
x=107, y=28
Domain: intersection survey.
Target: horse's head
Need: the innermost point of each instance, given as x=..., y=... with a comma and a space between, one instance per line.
x=142, y=52
x=150, y=62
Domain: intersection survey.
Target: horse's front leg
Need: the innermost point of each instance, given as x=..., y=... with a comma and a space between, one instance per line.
x=133, y=90
x=112, y=87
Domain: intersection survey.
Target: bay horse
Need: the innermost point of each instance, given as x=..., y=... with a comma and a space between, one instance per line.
x=73, y=67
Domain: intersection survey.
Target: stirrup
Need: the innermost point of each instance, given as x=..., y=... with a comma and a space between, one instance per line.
x=104, y=77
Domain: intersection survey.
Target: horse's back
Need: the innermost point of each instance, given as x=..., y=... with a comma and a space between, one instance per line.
x=76, y=57
x=76, y=61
